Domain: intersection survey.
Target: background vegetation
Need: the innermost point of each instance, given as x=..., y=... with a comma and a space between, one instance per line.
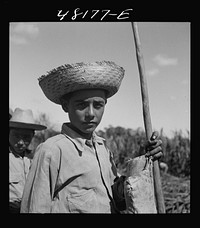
x=125, y=144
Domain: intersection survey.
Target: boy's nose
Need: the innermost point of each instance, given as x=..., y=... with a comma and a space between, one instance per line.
x=90, y=111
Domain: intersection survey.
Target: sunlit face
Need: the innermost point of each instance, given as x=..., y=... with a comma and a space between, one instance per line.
x=20, y=139
x=85, y=109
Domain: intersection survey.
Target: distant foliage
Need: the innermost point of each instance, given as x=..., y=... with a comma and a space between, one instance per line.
x=177, y=154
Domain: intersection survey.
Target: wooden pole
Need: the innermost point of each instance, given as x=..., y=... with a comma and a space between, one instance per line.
x=147, y=118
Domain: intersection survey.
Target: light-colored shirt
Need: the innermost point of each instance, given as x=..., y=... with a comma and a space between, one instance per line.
x=70, y=174
x=18, y=171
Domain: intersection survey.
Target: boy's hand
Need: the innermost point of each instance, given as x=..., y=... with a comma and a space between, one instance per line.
x=153, y=147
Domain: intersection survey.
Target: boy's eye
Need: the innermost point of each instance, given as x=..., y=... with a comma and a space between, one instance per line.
x=81, y=105
x=98, y=105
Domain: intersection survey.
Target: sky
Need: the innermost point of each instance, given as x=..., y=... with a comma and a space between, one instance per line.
x=36, y=48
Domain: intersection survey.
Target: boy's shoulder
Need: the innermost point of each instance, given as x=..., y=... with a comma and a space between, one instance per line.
x=50, y=147
x=54, y=140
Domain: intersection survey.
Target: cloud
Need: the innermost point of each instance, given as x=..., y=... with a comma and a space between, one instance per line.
x=18, y=40
x=21, y=33
x=163, y=60
x=152, y=72
x=30, y=29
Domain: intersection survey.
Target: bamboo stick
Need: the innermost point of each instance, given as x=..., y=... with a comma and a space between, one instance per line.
x=147, y=118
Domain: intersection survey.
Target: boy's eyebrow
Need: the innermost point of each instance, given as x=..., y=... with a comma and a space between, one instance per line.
x=100, y=101
x=81, y=100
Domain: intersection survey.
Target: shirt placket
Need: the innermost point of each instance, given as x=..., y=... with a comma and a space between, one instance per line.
x=23, y=168
x=99, y=159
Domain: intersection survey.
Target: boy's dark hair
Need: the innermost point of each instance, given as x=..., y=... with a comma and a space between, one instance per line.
x=66, y=97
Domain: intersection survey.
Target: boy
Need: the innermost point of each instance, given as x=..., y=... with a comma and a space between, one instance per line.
x=74, y=172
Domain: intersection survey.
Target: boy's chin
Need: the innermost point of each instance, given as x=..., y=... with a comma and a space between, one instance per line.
x=89, y=130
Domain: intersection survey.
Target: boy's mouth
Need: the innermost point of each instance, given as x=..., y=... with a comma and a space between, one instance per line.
x=89, y=122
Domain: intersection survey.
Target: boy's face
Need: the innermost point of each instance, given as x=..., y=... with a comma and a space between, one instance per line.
x=20, y=139
x=85, y=109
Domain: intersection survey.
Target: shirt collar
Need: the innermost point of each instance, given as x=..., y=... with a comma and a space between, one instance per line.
x=77, y=139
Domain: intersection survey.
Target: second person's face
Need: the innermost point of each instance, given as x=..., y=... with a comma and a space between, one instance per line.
x=20, y=139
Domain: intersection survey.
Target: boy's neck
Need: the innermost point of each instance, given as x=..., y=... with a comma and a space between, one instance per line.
x=84, y=135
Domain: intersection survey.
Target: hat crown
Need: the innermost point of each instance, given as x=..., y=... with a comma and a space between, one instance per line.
x=68, y=78
x=22, y=116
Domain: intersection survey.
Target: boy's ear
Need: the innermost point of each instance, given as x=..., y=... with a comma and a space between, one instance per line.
x=64, y=104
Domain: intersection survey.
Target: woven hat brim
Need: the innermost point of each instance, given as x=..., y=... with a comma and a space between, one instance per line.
x=103, y=75
x=26, y=125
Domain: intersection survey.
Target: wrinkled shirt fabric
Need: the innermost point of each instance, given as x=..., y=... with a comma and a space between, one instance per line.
x=70, y=174
x=18, y=171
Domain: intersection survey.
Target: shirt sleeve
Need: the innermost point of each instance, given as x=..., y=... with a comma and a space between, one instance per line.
x=41, y=180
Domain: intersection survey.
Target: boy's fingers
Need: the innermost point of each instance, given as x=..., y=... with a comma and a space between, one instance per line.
x=154, y=144
x=151, y=151
x=155, y=151
x=154, y=135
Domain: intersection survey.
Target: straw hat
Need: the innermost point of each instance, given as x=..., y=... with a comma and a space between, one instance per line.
x=24, y=119
x=72, y=77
